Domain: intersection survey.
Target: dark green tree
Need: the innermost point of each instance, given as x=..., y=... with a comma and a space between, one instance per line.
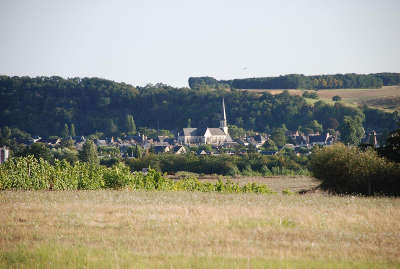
x=112, y=128
x=135, y=151
x=39, y=150
x=6, y=132
x=65, y=132
x=270, y=145
x=279, y=137
x=351, y=131
x=130, y=125
x=72, y=130
x=336, y=98
x=67, y=143
x=331, y=123
x=392, y=148
x=89, y=153
x=236, y=132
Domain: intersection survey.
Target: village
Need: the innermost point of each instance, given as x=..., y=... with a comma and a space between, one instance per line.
x=199, y=141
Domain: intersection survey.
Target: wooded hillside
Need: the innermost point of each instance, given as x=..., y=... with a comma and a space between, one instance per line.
x=43, y=105
x=299, y=81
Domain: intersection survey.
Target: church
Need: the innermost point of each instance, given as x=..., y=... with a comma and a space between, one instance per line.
x=213, y=136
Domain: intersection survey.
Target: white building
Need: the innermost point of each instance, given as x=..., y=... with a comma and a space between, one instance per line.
x=213, y=136
x=4, y=153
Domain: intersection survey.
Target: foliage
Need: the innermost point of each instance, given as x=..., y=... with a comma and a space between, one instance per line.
x=28, y=173
x=38, y=150
x=391, y=150
x=65, y=132
x=72, y=131
x=279, y=137
x=43, y=105
x=247, y=164
x=270, y=145
x=130, y=125
x=336, y=98
x=351, y=131
x=312, y=95
x=299, y=81
x=135, y=151
x=344, y=169
x=378, y=120
x=236, y=132
x=89, y=153
x=65, y=153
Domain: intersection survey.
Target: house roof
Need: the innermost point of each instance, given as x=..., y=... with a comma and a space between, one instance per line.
x=190, y=131
x=317, y=139
x=179, y=148
x=159, y=149
x=101, y=142
x=301, y=140
x=259, y=139
x=216, y=131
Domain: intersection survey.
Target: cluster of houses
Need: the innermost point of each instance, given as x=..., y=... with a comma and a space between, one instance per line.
x=218, y=138
x=181, y=143
x=219, y=141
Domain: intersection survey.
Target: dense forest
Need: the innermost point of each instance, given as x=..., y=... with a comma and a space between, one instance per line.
x=46, y=105
x=298, y=81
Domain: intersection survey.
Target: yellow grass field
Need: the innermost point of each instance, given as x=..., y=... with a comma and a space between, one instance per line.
x=275, y=183
x=127, y=229
x=387, y=97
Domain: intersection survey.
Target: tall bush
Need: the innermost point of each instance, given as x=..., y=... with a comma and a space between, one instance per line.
x=344, y=169
x=28, y=173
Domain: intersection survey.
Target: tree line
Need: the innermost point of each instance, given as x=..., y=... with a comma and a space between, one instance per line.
x=299, y=81
x=48, y=106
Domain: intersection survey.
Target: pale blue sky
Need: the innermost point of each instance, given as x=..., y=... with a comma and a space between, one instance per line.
x=142, y=42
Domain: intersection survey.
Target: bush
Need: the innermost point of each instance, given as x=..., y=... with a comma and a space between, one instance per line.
x=336, y=98
x=118, y=176
x=348, y=170
x=312, y=95
x=249, y=164
x=28, y=173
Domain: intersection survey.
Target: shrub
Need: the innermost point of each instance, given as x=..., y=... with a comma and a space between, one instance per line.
x=349, y=170
x=312, y=95
x=118, y=176
x=28, y=173
x=336, y=98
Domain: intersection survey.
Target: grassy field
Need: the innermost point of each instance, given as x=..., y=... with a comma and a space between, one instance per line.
x=125, y=229
x=387, y=98
x=275, y=183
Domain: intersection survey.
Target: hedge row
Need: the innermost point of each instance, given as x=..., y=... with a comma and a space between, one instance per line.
x=350, y=170
x=28, y=173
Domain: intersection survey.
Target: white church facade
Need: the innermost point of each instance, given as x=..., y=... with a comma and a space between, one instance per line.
x=213, y=136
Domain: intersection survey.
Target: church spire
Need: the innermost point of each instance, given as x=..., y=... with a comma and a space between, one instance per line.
x=223, y=108
x=223, y=123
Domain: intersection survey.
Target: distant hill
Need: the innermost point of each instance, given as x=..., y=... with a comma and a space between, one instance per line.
x=44, y=105
x=298, y=81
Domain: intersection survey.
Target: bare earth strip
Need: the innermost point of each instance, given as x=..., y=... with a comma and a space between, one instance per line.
x=127, y=229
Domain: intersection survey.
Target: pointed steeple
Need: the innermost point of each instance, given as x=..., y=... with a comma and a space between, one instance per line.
x=223, y=108
x=223, y=123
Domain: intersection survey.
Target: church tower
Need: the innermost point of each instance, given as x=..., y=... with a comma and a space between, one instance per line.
x=222, y=124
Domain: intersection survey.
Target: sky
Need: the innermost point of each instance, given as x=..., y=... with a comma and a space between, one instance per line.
x=149, y=41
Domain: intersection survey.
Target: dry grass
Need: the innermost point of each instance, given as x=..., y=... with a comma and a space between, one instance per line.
x=182, y=229
x=386, y=98
x=275, y=183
